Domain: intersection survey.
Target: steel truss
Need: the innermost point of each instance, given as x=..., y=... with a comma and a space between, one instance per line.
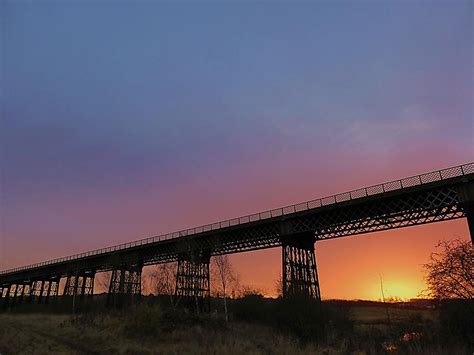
x=36, y=290
x=401, y=211
x=300, y=277
x=52, y=290
x=125, y=285
x=192, y=280
x=386, y=206
x=80, y=283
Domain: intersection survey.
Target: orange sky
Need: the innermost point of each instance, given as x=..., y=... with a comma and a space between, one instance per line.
x=351, y=267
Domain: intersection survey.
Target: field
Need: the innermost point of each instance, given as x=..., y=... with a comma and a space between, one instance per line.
x=148, y=329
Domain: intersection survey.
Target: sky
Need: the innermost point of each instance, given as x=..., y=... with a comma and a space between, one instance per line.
x=130, y=119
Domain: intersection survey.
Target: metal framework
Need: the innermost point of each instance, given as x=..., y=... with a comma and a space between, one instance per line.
x=53, y=289
x=79, y=283
x=300, y=277
x=192, y=280
x=413, y=209
x=125, y=285
x=436, y=196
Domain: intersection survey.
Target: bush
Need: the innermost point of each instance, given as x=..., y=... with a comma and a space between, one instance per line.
x=302, y=317
x=143, y=320
x=456, y=321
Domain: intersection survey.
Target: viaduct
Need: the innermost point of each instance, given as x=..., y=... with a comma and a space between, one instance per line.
x=431, y=197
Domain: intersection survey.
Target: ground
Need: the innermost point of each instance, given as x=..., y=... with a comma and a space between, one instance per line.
x=139, y=332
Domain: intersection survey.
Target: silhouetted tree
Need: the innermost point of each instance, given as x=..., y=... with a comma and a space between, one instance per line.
x=162, y=280
x=101, y=282
x=227, y=278
x=279, y=286
x=450, y=272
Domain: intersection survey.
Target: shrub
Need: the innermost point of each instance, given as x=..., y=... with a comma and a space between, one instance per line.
x=143, y=320
x=456, y=321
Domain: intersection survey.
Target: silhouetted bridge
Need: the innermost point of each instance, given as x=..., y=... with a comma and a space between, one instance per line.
x=435, y=196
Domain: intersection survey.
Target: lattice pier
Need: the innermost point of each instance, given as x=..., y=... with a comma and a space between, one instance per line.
x=78, y=284
x=192, y=281
x=300, y=277
x=125, y=285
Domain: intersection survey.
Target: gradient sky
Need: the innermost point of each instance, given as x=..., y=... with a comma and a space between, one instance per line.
x=135, y=119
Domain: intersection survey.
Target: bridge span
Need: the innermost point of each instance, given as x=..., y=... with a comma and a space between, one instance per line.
x=431, y=197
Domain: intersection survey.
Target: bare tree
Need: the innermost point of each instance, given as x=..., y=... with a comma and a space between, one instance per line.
x=223, y=269
x=101, y=282
x=279, y=286
x=162, y=280
x=450, y=272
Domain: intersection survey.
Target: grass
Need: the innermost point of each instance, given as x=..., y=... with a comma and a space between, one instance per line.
x=106, y=334
x=150, y=329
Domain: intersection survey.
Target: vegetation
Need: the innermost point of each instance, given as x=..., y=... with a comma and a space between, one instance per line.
x=256, y=325
x=450, y=272
x=250, y=323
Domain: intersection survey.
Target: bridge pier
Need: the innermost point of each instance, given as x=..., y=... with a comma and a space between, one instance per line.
x=79, y=283
x=23, y=290
x=7, y=296
x=53, y=289
x=125, y=285
x=35, y=291
x=192, y=280
x=13, y=293
x=19, y=291
x=300, y=277
x=466, y=200
x=469, y=210
x=40, y=290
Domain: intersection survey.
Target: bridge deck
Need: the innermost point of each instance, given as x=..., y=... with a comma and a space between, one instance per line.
x=425, y=198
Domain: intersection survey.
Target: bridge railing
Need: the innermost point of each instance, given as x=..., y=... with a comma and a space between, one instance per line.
x=426, y=178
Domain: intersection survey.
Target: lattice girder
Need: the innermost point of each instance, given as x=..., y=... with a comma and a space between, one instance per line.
x=420, y=208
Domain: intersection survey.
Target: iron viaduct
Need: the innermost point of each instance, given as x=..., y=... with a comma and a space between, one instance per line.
x=431, y=197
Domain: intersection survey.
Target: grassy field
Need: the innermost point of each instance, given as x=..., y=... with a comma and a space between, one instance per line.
x=54, y=334
x=150, y=329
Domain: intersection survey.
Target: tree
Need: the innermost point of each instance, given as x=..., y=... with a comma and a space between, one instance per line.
x=227, y=278
x=450, y=272
x=279, y=286
x=162, y=280
x=101, y=282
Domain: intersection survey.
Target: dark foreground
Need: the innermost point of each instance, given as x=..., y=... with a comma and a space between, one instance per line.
x=256, y=326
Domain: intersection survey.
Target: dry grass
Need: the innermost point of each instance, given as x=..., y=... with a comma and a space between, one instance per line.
x=115, y=333
x=59, y=334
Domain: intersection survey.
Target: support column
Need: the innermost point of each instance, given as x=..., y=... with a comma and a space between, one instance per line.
x=48, y=291
x=300, y=277
x=70, y=288
x=19, y=292
x=466, y=202
x=87, y=284
x=7, y=296
x=470, y=220
x=14, y=292
x=54, y=291
x=125, y=285
x=41, y=290
x=33, y=290
x=192, y=280
x=22, y=295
